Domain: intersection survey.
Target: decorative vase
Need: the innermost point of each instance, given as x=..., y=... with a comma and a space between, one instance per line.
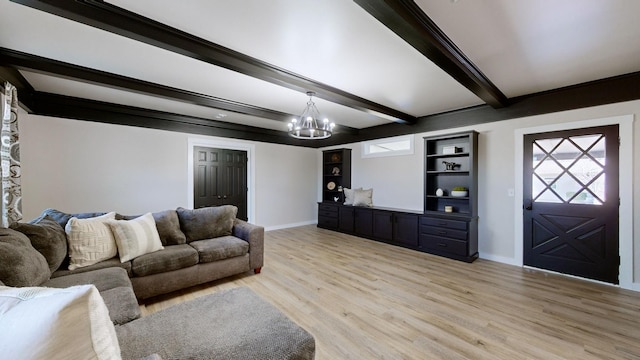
x=439, y=192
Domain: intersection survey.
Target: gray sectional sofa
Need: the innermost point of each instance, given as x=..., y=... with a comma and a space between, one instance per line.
x=199, y=246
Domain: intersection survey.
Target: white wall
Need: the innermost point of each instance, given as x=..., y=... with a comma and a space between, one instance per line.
x=82, y=166
x=78, y=166
x=398, y=181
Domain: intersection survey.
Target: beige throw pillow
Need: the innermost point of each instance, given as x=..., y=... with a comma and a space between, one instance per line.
x=348, y=195
x=363, y=198
x=52, y=324
x=90, y=240
x=136, y=237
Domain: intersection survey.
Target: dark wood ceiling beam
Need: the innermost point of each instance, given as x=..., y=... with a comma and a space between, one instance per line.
x=68, y=107
x=25, y=90
x=41, y=64
x=407, y=20
x=123, y=22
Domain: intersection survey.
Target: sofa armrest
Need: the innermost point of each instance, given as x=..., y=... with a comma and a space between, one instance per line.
x=254, y=235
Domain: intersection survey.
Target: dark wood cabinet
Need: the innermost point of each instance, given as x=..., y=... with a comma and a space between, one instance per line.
x=392, y=226
x=328, y=216
x=336, y=174
x=383, y=225
x=363, y=222
x=449, y=227
x=346, y=218
x=405, y=229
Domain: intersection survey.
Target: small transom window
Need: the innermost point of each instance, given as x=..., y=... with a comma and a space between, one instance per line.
x=399, y=145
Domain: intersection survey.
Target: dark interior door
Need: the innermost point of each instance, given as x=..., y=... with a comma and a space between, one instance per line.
x=571, y=201
x=220, y=178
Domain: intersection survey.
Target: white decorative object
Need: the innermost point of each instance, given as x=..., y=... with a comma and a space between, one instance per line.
x=439, y=192
x=448, y=150
x=448, y=208
x=457, y=193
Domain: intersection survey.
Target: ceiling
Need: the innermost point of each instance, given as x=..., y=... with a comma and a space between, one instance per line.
x=380, y=68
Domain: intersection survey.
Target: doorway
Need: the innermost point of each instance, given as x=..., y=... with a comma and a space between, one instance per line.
x=571, y=202
x=220, y=178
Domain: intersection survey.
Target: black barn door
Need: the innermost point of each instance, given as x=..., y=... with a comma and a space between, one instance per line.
x=571, y=202
x=220, y=178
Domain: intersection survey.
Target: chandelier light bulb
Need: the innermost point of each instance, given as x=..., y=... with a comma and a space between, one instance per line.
x=310, y=125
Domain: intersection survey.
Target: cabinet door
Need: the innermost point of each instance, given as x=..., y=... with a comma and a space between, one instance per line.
x=364, y=222
x=405, y=229
x=345, y=219
x=383, y=225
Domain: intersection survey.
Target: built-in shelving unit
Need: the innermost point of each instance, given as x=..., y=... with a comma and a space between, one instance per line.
x=449, y=225
x=336, y=174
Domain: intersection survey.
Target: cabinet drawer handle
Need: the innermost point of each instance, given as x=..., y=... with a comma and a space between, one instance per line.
x=442, y=244
x=442, y=232
x=442, y=223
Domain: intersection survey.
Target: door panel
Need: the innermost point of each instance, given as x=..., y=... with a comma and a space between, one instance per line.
x=571, y=201
x=220, y=178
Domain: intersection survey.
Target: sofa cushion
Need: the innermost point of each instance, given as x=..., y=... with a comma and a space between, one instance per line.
x=114, y=287
x=20, y=263
x=168, y=226
x=48, y=237
x=122, y=304
x=135, y=237
x=46, y=323
x=62, y=218
x=102, y=279
x=170, y=258
x=207, y=223
x=110, y=263
x=90, y=240
x=220, y=248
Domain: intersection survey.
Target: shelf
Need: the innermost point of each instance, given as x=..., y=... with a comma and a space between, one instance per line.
x=447, y=155
x=440, y=172
x=449, y=197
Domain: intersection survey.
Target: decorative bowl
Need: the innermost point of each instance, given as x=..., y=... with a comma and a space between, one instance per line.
x=457, y=193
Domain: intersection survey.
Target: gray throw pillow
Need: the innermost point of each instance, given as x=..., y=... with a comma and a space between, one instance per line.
x=207, y=223
x=167, y=224
x=21, y=264
x=47, y=237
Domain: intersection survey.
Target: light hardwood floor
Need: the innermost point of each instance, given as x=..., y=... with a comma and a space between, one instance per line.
x=367, y=300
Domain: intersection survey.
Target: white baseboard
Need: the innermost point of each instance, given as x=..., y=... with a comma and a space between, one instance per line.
x=500, y=259
x=286, y=226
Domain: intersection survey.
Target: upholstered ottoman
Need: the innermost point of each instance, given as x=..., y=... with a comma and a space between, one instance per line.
x=232, y=324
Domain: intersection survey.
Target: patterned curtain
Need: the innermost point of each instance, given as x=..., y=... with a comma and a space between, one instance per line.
x=10, y=157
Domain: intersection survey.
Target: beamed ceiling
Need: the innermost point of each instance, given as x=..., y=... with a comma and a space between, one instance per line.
x=240, y=69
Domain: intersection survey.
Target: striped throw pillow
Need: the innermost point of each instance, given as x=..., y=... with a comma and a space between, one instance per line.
x=136, y=237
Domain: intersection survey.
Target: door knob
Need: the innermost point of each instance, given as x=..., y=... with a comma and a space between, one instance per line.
x=224, y=197
x=528, y=205
x=219, y=197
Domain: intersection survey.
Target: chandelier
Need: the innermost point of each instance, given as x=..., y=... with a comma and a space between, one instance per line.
x=306, y=127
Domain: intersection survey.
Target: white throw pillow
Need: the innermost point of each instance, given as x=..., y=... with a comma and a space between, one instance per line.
x=136, y=237
x=49, y=323
x=90, y=240
x=363, y=198
x=348, y=195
